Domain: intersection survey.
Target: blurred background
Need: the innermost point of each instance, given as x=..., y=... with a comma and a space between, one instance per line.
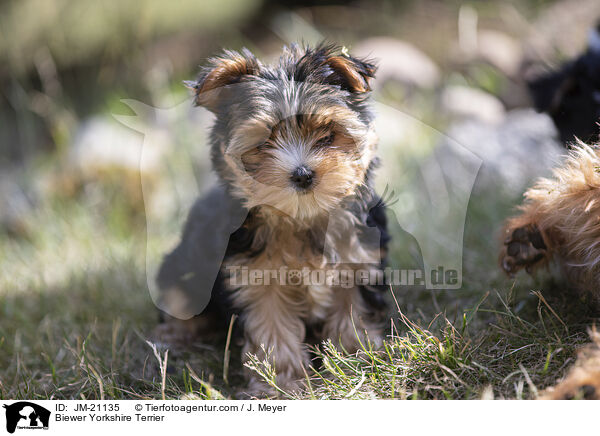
x=73, y=215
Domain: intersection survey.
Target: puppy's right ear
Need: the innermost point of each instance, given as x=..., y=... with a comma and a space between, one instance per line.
x=222, y=71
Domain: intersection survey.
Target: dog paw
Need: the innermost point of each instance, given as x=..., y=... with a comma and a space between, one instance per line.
x=583, y=392
x=524, y=247
x=582, y=384
x=175, y=333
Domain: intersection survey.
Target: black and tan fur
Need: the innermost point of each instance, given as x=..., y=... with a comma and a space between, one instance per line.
x=310, y=109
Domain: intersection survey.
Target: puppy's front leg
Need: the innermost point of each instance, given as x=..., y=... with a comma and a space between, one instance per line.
x=348, y=319
x=272, y=318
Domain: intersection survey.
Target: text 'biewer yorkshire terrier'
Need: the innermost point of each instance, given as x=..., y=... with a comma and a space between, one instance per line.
x=293, y=145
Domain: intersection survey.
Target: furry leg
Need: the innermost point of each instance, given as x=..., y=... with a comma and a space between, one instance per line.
x=348, y=320
x=274, y=330
x=560, y=217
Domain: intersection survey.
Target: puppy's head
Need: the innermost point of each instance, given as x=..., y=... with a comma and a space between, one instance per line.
x=296, y=136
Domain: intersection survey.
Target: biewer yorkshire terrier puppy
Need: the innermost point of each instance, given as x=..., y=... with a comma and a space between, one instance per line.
x=293, y=146
x=560, y=220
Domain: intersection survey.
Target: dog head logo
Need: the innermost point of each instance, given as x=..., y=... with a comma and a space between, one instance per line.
x=26, y=415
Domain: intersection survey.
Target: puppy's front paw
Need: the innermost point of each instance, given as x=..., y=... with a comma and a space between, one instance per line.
x=524, y=247
x=169, y=334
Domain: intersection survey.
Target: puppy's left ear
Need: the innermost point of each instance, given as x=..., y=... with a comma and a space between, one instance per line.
x=230, y=68
x=350, y=73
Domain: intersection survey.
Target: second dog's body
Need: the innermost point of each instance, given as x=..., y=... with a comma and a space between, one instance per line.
x=560, y=219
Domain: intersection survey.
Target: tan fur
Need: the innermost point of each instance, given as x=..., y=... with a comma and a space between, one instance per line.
x=583, y=380
x=275, y=316
x=273, y=319
x=566, y=211
x=346, y=323
x=225, y=72
x=343, y=65
x=339, y=168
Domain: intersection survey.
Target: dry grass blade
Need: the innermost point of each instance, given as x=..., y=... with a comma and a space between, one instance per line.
x=162, y=364
x=533, y=388
x=543, y=300
x=227, y=354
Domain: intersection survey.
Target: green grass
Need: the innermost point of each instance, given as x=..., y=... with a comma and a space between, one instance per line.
x=76, y=315
x=512, y=358
x=75, y=310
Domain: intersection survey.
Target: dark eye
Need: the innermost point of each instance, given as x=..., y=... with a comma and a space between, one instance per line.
x=326, y=140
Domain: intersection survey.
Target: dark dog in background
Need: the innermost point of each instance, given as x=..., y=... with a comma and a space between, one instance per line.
x=294, y=148
x=571, y=95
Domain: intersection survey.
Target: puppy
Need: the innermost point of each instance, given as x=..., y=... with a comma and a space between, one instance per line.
x=560, y=219
x=293, y=146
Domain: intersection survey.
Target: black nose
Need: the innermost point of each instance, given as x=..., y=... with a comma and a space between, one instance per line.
x=302, y=177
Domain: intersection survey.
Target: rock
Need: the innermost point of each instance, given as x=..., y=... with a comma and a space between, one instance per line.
x=466, y=102
x=102, y=144
x=399, y=61
x=514, y=153
x=105, y=153
x=500, y=50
